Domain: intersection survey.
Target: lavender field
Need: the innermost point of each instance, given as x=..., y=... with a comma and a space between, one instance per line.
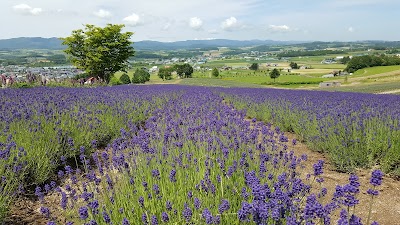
x=191, y=155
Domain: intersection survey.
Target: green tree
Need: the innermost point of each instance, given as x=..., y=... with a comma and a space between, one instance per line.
x=293, y=65
x=254, y=66
x=274, y=74
x=184, y=70
x=215, y=72
x=165, y=73
x=345, y=60
x=125, y=79
x=100, y=51
x=114, y=81
x=140, y=76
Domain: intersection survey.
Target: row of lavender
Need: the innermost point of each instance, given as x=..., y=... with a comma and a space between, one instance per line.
x=40, y=127
x=198, y=161
x=356, y=130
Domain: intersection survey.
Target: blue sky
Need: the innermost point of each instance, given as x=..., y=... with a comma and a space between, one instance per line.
x=172, y=20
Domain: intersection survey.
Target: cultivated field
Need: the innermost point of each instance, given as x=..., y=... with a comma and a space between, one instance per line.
x=174, y=154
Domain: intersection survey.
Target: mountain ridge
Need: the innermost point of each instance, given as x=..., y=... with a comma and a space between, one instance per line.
x=56, y=44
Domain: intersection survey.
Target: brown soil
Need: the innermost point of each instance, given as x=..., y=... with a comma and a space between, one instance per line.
x=386, y=207
x=25, y=211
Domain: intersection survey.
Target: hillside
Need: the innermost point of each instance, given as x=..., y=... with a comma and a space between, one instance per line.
x=55, y=43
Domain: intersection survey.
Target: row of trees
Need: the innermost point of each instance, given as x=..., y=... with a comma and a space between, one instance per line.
x=182, y=70
x=360, y=62
x=139, y=77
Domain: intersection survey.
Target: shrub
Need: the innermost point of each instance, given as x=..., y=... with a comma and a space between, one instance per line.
x=140, y=76
x=115, y=81
x=125, y=79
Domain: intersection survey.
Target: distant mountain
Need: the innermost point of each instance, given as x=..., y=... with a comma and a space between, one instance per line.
x=31, y=43
x=55, y=43
x=193, y=44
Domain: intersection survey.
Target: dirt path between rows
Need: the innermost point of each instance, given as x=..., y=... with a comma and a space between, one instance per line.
x=386, y=208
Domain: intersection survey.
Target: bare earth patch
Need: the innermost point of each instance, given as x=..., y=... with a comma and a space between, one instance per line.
x=386, y=208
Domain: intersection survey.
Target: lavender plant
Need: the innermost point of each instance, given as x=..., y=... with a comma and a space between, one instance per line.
x=197, y=161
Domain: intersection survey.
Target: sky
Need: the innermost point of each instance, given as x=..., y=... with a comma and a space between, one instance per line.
x=176, y=20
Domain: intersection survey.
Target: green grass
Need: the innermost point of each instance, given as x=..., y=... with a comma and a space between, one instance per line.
x=376, y=70
x=215, y=82
x=369, y=88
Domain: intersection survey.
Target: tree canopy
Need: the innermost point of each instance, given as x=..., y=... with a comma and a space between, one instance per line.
x=125, y=79
x=140, y=76
x=100, y=51
x=254, y=66
x=274, y=74
x=165, y=73
x=215, y=72
x=184, y=70
x=294, y=65
x=361, y=62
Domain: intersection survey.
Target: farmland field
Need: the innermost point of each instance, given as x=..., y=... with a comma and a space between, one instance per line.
x=169, y=154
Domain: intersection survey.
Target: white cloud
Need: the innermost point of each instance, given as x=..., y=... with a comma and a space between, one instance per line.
x=196, y=23
x=213, y=31
x=230, y=24
x=103, y=14
x=350, y=29
x=27, y=10
x=280, y=28
x=133, y=20
x=167, y=26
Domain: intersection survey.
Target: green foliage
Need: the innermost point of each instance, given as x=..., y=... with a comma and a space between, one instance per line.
x=82, y=75
x=254, y=66
x=125, y=79
x=22, y=85
x=293, y=65
x=345, y=60
x=287, y=83
x=114, y=81
x=58, y=59
x=165, y=73
x=100, y=51
x=365, y=61
x=309, y=53
x=274, y=74
x=215, y=72
x=140, y=76
x=184, y=70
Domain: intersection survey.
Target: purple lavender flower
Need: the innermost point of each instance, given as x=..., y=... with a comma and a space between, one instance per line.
x=141, y=201
x=376, y=178
x=187, y=213
x=207, y=216
x=372, y=192
x=45, y=211
x=224, y=206
x=172, y=175
x=125, y=221
x=197, y=203
x=155, y=173
x=83, y=212
x=144, y=219
x=168, y=205
x=106, y=217
x=154, y=220
x=164, y=217
x=318, y=168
